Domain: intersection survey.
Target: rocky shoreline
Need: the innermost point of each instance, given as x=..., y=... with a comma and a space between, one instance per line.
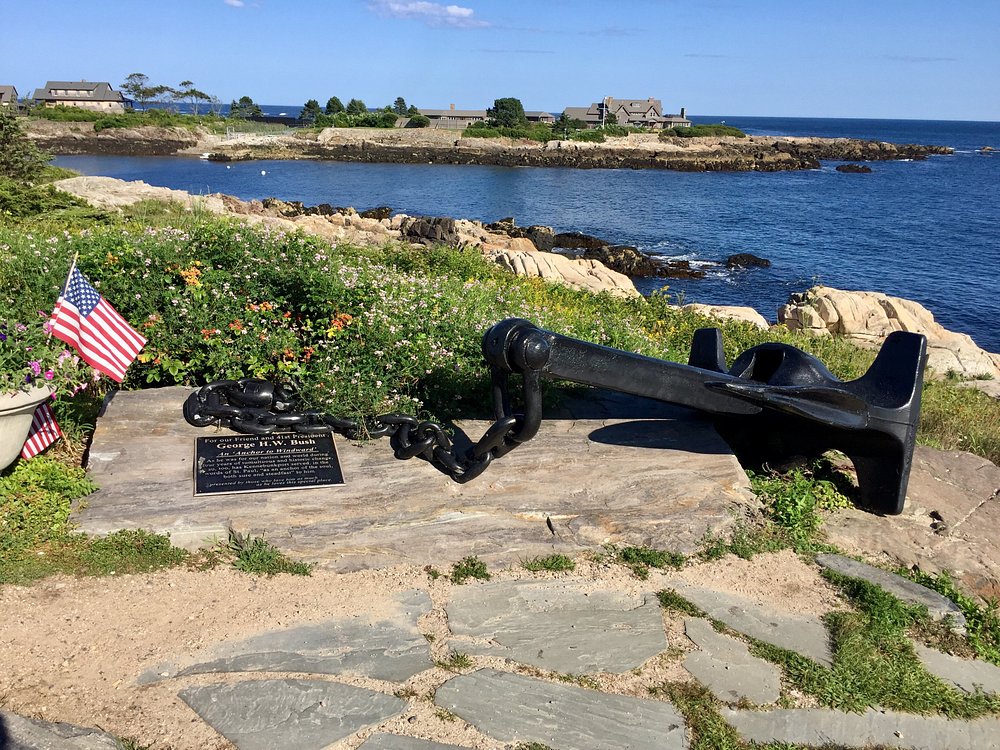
x=635, y=151
x=576, y=260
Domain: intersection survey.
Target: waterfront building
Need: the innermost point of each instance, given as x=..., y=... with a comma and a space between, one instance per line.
x=83, y=94
x=459, y=119
x=8, y=96
x=640, y=113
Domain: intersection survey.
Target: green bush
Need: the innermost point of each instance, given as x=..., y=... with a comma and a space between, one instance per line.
x=539, y=132
x=698, y=131
x=588, y=136
x=19, y=200
x=419, y=121
x=61, y=113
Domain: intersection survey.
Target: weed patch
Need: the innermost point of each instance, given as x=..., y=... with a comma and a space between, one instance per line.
x=671, y=601
x=456, y=662
x=256, y=555
x=469, y=567
x=553, y=563
x=795, y=499
x=640, y=559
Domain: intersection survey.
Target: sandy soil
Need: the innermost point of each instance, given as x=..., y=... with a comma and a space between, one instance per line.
x=72, y=649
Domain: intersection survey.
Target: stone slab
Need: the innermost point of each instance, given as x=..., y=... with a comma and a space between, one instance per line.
x=399, y=742
x=939, y=607
x=391, y=649
x=662, y=482
x=802, y=634
x=951, y=522
x=557, y=625
x=304, y=714
x=965, y=674
x=823, y=727
x=726, y=667
x=515, y=708
x=22, y=733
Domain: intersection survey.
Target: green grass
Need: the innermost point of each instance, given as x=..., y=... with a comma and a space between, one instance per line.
x=873, y=666
x=982, y=621
x=794, y=500
x=469, y=567
x=257, y=556
x=640, y=559
x=671, y=601
x=874, y=663
x=552, y=563
x=709, y=731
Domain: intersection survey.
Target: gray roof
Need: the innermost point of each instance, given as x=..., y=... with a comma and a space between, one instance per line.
x=8, y=94
x=96, y=91
x=465, y=114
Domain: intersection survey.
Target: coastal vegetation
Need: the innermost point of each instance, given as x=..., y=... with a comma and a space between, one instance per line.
x=701, y=131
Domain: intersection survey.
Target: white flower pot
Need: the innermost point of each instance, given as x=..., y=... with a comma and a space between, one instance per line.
x=16, y=411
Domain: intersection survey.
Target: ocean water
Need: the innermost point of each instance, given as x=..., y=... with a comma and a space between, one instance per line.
x=925, y=230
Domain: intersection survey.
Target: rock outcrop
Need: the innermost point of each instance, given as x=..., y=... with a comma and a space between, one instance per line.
x=429, y=145
x=868, y=317
x=951, y=521
x=747, y=260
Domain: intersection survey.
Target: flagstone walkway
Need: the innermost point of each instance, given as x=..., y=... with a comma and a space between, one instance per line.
x=523, y=664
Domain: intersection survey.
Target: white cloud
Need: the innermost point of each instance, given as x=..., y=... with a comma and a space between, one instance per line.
x=432, y=14
x=234, y=3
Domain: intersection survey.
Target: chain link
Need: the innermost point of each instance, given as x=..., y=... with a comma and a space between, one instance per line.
x=259, y=407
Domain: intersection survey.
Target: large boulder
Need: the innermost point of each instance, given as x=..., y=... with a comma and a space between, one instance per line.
x=868, y=317
x=746, y=260
x=580, y=274
x=428, y=230
x=729, y=312
x=578, y=241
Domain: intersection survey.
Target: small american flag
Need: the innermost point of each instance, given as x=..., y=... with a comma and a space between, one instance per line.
x=43, y=433
x=85, y=320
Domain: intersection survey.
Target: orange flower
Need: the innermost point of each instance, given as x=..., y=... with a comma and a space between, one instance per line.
x=191, y=276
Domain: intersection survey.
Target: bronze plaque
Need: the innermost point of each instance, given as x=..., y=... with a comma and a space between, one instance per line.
x=265, y=463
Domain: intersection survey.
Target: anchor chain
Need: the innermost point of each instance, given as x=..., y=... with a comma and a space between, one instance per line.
x=259, y=407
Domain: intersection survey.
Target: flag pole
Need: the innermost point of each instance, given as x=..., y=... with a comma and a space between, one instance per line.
x=71, y=267
x=65, y=285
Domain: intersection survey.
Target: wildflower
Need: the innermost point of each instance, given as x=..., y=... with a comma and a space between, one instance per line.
x=49, y=374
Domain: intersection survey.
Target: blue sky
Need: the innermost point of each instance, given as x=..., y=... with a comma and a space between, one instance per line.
x=873, y=58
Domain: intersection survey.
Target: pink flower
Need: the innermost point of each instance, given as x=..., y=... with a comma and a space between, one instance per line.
x=49, y=374
x=36, y=367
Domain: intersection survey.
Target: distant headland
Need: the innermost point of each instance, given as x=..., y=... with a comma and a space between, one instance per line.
x=399, y=145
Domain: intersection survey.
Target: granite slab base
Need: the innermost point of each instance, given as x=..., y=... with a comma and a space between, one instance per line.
x=515, y=708
x=582, y=482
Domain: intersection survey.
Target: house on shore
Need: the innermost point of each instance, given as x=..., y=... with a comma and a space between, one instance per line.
x=8, y=96
x=459, y=119
x=97, y=96
x=639, y=113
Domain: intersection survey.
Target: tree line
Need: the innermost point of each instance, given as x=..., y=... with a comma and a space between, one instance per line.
x=143, y=92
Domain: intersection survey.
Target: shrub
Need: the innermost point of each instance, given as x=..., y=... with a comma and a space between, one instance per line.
x=698, y=131
x=588, y=136
x=419, y=121
x=20, y=158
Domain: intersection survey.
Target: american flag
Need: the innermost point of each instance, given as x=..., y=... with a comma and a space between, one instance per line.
x=85, y=320
x=43, y=433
